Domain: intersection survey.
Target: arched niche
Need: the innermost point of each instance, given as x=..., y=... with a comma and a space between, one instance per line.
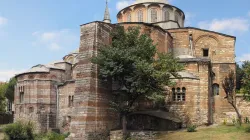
x=205, y=44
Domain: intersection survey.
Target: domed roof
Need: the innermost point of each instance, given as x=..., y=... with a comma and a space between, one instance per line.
x=154, y=1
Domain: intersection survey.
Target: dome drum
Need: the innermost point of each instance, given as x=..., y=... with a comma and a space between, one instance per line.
x=159, y=13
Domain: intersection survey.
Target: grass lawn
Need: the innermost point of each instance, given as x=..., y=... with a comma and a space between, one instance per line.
x=221, y=132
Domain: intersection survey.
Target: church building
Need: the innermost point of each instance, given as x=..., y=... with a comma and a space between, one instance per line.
x=68, y=95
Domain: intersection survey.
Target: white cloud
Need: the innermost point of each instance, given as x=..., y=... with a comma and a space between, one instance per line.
x=5, y=75
x=227, y=25
x=188, y=18
x=123, y=3
x=49, y=36
x=244, y=57
x=3, y=21
x=54, y=40
x=54, y=47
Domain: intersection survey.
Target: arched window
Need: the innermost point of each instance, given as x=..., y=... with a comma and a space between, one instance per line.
x=176, y=17
x=129, y=17
x=178, y=90
x=31, y=109
x=70, y=101
x=21, y=109
x=179, y=95
x=183, y=94
x=153, y=15
x=166, y=15
x=216, y=89
x=174, y=94
x=140, y=15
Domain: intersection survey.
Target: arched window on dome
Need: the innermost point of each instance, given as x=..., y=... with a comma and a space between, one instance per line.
x=129, y=17
x=140, y=16
x=153, y=15
x=176, y=17
x=216, y=89
x=166, y=15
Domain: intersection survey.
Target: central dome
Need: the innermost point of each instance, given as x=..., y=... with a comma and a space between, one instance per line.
x=155, y=12
x=154, y=1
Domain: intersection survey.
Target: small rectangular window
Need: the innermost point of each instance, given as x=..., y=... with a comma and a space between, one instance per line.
x=205, y=52
x=69, y=101
x=21, y=97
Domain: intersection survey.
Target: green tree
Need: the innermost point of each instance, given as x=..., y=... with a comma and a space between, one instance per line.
x=3, y=88
x=246, y=77
x=239, y=76
x=9, y=94
x=139, y=71
x=228, y=85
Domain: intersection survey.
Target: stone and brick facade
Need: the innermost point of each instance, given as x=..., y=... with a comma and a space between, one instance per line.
x=69, y=96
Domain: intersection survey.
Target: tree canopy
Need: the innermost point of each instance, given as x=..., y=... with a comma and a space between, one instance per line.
x=9, y=94
x=139, y=71
x=3, y=88
x=246, y=77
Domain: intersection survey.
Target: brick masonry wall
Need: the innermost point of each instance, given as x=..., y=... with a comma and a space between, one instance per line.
x=161, y=38
x=65, y=110
x=91, y=115
x=205, y=39
x=195, y=109
x=39, y=97
x=222, y=55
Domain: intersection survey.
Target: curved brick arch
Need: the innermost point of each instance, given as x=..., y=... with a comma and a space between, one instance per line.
x=204, y=37
x=205, y=42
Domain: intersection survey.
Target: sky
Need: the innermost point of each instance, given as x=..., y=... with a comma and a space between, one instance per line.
x=42, y=31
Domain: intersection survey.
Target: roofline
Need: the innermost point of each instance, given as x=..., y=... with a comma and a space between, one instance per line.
x=177, y=78
x=95, y=22
x=167, y=21
x=183, y=60
x=36, y=72
x=203, y=30
x=144, y=23
x=62, y=62
x=66, y=82
x=152, y=3
x=147, y=24
x=28, y=73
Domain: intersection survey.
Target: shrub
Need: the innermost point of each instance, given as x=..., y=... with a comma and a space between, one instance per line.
x=247, y=129
x=19, y=131
x=50, y=136
x=225, y=122
x=191, y=128
x=246, y=120
x=234, y=121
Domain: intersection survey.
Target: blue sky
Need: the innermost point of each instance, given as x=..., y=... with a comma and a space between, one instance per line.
x=41, y=31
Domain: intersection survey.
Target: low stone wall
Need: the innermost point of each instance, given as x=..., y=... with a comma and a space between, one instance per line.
x=243, y=106
x=137, y=135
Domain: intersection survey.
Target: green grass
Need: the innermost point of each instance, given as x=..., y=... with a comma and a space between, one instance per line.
x=223, y=132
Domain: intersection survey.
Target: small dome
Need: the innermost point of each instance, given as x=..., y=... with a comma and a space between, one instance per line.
x=154, y=1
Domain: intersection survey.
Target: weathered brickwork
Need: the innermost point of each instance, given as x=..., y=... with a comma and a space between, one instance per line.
x=91, y=113
x=221, y=53
x=68, y=95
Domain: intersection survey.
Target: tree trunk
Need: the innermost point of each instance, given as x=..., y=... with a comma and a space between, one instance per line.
x=124, y=125
x=238, y=113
